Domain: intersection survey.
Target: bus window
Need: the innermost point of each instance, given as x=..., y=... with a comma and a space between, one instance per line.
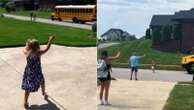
x=73, y=10
x=79, y=10
x=84, y=10
x=90, y=10
x=67, y=10
x=76, y=10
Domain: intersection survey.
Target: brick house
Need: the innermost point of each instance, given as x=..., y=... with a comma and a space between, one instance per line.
x=184, y=19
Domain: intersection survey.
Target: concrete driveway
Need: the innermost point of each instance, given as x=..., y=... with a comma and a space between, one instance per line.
x=70, y=75
x=138, y=95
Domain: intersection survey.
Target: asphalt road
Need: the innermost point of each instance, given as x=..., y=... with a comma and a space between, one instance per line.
x=159, y=75
x=48, y=21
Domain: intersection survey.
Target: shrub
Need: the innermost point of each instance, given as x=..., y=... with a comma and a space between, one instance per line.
x=4, y=2
x=166, y=33
x=10, y=6
x=148, y=34
x=177, y=32
x=156, y=36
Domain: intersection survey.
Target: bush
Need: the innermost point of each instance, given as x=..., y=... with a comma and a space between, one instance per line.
x=148, y=34
x=10, y=6
x=166, y=33
x=177, y=32
x=156, y=36
x=4, y=2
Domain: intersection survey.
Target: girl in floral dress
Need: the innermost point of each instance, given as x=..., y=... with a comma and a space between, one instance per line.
x=33, y=77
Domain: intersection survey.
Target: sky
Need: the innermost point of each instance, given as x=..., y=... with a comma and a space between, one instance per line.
x=134, y=16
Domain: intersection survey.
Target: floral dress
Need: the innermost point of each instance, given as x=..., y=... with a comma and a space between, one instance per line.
x=33, y=77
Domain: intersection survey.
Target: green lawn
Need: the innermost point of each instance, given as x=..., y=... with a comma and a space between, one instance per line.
x=2, y=10
x=181, y=97
x=41, y=14
x=163, y=59
x=16, y=32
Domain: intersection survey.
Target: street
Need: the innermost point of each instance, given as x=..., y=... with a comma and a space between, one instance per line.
x=159, y=75
x=48, y=21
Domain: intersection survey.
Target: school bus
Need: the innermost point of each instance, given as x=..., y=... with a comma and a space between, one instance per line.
x=76, y=13
x=187, y=63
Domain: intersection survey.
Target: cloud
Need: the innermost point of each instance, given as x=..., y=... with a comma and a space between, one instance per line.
x=113, y=3
x=134, y=16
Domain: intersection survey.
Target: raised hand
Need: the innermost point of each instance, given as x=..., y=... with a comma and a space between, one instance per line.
x=51, y=38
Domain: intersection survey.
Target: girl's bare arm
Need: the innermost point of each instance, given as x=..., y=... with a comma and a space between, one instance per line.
x=51, y=38
x=118, y=53
x=26, y=49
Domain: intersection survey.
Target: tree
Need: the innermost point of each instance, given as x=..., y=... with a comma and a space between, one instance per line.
x=156, y=36
x=10, y=6
x=4, y=2
x=94, y=28
x=166, y=33
x=177, y=32
x=148, y=34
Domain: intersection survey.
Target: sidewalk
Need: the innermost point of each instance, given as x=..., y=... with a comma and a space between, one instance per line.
x=47, y=21
x=138, y=95
x=70, y=75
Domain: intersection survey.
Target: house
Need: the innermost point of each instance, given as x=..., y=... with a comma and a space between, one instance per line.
x=185, y=20
x=114, y=34
x=34, y=4
x=44, y=4
x=26, y=4
x=161, y=20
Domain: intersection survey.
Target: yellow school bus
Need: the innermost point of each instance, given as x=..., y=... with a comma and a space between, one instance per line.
x=76, y=13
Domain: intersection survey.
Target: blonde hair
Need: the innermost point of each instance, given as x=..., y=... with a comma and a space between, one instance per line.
x=33, y=45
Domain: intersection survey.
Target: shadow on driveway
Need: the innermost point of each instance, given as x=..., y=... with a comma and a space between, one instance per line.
x=50, y=105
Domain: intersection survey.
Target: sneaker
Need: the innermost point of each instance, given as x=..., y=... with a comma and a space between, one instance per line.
x=101, y=103
x=107, y=103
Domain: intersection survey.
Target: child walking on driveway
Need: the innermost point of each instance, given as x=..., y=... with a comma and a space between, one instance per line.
x=33, y=77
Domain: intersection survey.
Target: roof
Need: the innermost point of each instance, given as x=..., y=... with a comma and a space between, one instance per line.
x=161, y=20
x=112, y=29
x=75, y=6
x=184, y=14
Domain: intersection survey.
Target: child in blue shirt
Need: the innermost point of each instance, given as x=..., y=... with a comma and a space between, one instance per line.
x=134, y=62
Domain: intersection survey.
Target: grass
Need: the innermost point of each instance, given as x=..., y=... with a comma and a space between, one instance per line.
x=15, y=33
x=164, y=60
x=181, y=97
x=40, y=14
x=2, y=10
